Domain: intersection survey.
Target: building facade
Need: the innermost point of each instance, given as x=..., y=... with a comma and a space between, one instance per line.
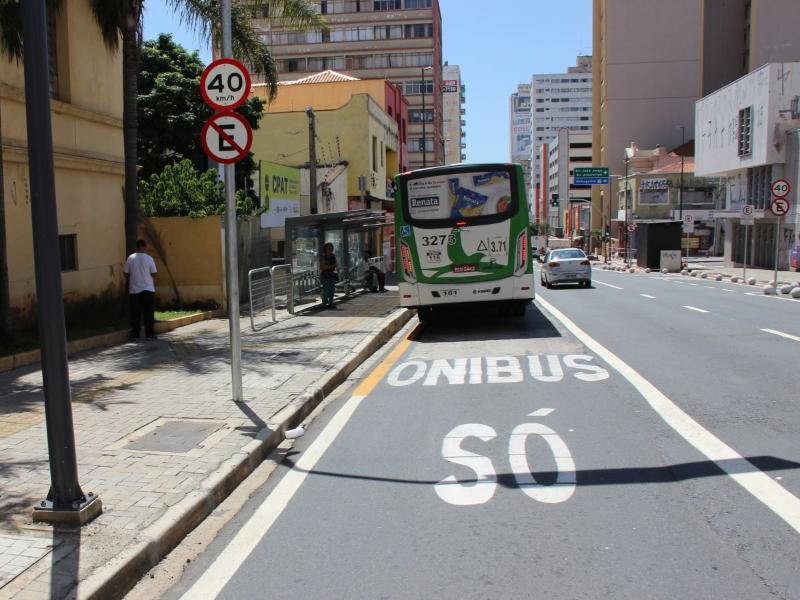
x=559, y=101
x=747, y=135
x=453, y=98
x=86, y=114
x=398, y=40
x=519, y=123
x=570, y=204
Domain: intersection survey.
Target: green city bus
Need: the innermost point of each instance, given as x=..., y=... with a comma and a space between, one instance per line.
x=463, y=237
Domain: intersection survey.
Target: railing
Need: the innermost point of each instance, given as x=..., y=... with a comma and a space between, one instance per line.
x=266, y=285
x=306, y=283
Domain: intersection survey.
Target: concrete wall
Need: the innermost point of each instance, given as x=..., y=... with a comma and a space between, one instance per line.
x=769, y=91
x=773, y=32
x=88, y=157
x=189, y=259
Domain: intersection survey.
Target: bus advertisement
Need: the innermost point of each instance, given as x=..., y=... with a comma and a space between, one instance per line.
x=462, y=235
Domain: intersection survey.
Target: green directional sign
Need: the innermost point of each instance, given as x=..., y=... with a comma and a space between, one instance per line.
x=590, y=172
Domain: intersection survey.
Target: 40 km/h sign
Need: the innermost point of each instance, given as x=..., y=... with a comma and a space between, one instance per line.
x=780, y=188
x=225, y=84
x=226, y=137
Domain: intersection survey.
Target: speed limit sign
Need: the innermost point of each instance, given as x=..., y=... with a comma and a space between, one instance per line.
x=225, y=84
x=780, y=188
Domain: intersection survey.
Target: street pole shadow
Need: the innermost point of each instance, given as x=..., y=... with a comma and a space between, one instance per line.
x=65, y=562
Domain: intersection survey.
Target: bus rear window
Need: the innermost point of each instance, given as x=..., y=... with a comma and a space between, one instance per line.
x=456, y=196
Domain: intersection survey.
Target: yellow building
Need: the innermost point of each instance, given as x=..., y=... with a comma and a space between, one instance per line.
x=86, y=112
x=360, y=121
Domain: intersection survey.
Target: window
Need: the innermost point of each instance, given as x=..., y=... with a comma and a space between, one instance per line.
x=385, y=5
x=381, y=153
x=417, y=145
x=417, y=115
x=388, y=32
x=746, y=131
x=68, y=249
x=292, y=65
x=422, y=30
x=374, y=153
x=410, y=4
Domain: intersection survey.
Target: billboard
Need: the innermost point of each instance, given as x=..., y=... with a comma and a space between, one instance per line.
x=280, y=193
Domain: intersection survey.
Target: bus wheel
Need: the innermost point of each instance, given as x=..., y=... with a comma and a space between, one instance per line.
x=425, y=314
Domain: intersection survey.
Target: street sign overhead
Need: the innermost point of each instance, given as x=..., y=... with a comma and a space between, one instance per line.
x=590, y=176
x=225, y=84
x=226, y=137
x=780, y=188
x=779, y=207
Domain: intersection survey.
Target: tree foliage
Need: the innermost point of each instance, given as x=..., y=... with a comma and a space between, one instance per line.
x=182, y=191
x=172, y=111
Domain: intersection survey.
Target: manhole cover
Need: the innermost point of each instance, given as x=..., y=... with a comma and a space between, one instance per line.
x=175, y=436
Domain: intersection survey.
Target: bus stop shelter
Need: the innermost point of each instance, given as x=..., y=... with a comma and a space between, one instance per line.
x=351, y=233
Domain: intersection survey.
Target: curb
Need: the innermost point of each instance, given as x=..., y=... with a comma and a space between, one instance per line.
x=120, y=575
x=31, y=357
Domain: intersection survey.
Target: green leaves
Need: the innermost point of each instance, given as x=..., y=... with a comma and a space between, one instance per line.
x=180, y=191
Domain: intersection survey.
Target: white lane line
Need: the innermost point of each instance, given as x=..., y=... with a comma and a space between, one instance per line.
x=694, y=284
x=782, y=502
x=616, y=287
x=647, y=296
x=700, y=310
x=210, y=584
x=762, y=295
x=780, y=333
x=727, y=290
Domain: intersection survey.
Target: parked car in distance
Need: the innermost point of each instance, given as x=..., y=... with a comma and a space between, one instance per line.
x=567, y=265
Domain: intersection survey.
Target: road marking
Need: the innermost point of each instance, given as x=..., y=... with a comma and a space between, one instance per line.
x=770, y=296
x=616, y=287
x=647, y=296
x=694, y=284
x=777, y=498
x=219, y=573
x=727, y=290
x=700, y=310
x=780, y=333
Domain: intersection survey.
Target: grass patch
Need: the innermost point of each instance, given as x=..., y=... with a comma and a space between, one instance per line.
x=166, y=315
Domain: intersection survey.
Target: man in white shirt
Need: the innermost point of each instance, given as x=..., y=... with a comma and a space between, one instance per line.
x=141, y=270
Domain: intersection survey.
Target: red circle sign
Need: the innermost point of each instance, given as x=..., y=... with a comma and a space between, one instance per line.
x=780, y=188
x=779, y=207
x=226, y=137
x=225, y=84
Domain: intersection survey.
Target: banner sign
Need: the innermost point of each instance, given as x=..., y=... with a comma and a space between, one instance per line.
x=280, y=193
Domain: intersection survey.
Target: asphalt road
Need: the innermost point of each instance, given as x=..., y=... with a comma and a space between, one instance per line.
x=630, y=448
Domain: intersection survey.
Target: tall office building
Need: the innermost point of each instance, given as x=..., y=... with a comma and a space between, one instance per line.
x=453, y=98
x=559, y=101
x=652, y=60
x=398, y=40
x=519, y=142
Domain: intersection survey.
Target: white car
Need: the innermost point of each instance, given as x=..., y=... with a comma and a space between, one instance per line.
x=566, y=265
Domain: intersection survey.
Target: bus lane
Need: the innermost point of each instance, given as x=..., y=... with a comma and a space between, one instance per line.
x=501, y=458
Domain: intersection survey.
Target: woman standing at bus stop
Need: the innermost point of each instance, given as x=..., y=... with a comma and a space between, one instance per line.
x=328, y=276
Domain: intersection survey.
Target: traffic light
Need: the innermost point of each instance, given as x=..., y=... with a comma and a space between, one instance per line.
x=554, y=200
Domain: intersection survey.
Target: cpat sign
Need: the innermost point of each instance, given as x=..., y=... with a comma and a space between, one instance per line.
x=226, y=135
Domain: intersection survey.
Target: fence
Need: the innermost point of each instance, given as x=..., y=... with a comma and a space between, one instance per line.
x=268, y=287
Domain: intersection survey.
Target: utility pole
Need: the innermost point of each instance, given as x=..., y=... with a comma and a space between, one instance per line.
x=312, y=160
x=680, y=188
x=232, y=239
x=424, y=132
x=627, y=202
x=66, y=503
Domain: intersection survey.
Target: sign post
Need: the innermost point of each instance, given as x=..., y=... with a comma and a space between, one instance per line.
x=226, y=138
x=779, y=207
x=688, y=227
x=746, y=220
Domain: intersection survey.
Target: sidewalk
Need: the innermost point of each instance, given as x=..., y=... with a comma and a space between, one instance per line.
x=160, y=441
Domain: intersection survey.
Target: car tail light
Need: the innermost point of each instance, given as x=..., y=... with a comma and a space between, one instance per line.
x=408, y=263
x=521, y=262
x=585, y=263
x=553, y=264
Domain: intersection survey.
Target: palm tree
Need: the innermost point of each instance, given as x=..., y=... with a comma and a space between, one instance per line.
x=122, y=20
x=11, y=48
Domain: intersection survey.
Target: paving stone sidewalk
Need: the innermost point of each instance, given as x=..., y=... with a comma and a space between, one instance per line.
x=160, y=441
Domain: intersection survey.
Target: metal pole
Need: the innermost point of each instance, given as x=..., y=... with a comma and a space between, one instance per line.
x=627, y=202
x=231, y=239
x=680, y=189
x=777, y=249
x=744, y=271
x=424, y=130
x=65, y=491
x=312, y=160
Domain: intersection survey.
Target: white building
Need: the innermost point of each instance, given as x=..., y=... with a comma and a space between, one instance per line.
x=747, y=135
x=559, y=100
x=453, y=98
x=568, y=150
x=519, y=118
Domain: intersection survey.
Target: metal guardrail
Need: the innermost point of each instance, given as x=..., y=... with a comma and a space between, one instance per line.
x=266, y=285
x=306, y=283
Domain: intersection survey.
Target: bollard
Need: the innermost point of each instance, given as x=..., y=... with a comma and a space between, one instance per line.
x=717, y=277
x=751, y=281
x=665, y=270
x=795, y=292
x=768, y=290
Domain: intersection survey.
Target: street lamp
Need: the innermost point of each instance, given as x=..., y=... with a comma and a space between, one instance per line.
x=424, y=119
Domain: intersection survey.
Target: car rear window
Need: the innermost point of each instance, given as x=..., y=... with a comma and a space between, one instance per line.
x=568, y=254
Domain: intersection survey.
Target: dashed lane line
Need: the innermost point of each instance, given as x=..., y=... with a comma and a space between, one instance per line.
x=647, y=296
x=616, y=287
x=767, y=491
x=700, y=310
x=780, y=333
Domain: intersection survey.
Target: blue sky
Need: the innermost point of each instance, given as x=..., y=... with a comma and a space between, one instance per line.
x=497, y=44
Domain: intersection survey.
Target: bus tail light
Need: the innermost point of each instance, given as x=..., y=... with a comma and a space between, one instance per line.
x=408, y=263
x=521, y=262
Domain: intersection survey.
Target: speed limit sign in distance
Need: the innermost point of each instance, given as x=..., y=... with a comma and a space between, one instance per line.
x=225, y=84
